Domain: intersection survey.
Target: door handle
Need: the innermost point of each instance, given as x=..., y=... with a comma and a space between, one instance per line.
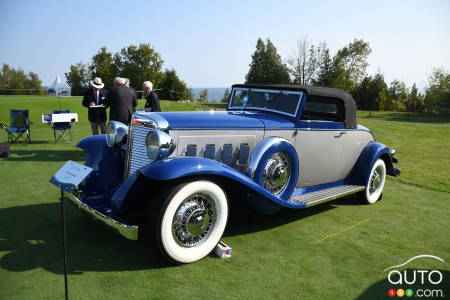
x=340, y=134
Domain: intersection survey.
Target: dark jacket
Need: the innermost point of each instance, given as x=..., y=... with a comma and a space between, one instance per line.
x=95, y=114
x=121, y=101
x=152, y=102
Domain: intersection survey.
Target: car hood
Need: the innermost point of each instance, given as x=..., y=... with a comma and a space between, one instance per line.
x=214, y=120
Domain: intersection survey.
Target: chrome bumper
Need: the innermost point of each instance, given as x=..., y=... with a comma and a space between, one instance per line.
x=126, y=230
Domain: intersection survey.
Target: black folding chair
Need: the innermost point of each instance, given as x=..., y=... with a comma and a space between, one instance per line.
x=19, y=130
x=62, y=129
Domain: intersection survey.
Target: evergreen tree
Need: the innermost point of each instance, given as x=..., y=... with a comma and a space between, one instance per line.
x=266, y=66
x=226, y=96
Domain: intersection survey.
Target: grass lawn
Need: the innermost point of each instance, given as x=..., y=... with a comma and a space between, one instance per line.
x=335, y=250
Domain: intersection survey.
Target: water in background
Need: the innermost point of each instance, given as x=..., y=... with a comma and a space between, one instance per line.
x=215, y=94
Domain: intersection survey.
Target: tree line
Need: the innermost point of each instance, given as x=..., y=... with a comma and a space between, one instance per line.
x=16, y=81
x=314, y=65
x=137, y=63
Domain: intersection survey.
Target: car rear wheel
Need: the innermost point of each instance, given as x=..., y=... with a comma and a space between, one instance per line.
x=375, y=185
x=190, y=221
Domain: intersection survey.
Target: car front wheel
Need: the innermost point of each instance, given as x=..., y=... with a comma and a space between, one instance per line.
x=191, y=220
x=375, y=184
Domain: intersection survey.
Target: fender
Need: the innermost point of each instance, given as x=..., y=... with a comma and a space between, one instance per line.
x=179, y=167
x=371, y=153
x=106, y=162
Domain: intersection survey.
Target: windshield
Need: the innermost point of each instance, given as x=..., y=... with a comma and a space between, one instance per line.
x=285, y=102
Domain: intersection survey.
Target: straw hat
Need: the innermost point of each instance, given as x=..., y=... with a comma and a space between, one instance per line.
x=97, y=83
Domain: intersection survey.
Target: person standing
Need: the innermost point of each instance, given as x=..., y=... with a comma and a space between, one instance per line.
x=152, y=103
x=94, y=100
x=122, y=101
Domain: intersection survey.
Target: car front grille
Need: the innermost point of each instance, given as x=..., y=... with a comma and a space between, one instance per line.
x=136, y=154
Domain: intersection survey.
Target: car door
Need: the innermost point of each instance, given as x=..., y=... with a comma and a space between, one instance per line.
x=320, y=141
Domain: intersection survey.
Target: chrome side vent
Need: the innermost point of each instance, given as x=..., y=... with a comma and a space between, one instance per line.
x=191, y=150
x=227, y=154
x=244, y=150
x=210, y=151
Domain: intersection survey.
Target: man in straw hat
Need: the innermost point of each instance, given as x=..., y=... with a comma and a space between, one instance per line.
x=94, y=100
x=152, y=99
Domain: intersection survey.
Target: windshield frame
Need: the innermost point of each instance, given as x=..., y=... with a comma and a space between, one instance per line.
x=277, y=91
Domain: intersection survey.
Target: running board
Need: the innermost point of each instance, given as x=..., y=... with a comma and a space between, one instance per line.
x=329, y=194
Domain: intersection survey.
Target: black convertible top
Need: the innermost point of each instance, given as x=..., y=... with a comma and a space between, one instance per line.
x=350, y=105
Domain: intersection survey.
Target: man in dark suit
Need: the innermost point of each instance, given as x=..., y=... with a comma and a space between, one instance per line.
x=94, y=100
x=122, y=101
x=152, y=99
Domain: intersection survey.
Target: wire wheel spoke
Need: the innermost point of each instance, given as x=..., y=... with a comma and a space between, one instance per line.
x=194, y=220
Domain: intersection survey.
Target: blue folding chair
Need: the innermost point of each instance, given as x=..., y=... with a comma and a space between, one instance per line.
x=19, y=130
x=62, y=129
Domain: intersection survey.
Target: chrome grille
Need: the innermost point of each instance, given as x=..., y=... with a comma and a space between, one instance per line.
x=137, y=156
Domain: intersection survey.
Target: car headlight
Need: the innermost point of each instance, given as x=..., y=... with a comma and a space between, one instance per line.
x=115, y=133
x=158, y=144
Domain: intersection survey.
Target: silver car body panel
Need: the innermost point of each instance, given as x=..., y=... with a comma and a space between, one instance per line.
x=328, y=155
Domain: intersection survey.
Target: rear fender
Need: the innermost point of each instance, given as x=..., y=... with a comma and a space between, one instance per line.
x=371, y=153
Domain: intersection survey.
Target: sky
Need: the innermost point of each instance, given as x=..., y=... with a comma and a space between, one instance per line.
x=210, y=43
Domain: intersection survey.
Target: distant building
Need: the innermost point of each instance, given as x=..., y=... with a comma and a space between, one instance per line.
x=59, y=88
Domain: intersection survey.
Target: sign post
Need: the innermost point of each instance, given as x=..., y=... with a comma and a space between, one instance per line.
x=67, y=179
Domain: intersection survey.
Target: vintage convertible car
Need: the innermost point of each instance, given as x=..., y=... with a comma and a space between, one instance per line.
x=171, y=174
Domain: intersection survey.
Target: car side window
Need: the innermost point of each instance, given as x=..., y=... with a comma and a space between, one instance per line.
x=324, y=109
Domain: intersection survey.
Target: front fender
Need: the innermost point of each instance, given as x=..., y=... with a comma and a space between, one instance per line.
x=179, y=167
x=371, y=153
x=106, y=162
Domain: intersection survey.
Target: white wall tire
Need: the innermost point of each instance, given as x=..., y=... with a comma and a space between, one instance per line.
x=192, y=220
x=375, y=185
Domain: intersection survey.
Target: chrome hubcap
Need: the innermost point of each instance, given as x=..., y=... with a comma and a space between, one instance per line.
x=277, y=173
x=194, y=220
x=375, y=180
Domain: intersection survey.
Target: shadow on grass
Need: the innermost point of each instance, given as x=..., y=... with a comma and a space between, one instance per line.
x=32, y=237
x=45, y=155
x=380, y=289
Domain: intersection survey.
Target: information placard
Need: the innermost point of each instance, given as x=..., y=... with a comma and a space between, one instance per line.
x=70, y=176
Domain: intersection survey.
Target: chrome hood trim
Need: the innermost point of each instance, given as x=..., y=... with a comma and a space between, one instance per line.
x=156, y=120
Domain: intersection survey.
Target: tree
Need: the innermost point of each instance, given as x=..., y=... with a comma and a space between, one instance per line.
x=398, y=94
x=102, y=66
x=303, y=64
x=14, y=81
x=437, y=93
x=139, y=63
x=266, y=66
x=325, y=68
x=173, y=88
x=226, y=96
x=349, y=65
x=371, y=93
x=415, y=100
x=78, y=78
x=203, y=96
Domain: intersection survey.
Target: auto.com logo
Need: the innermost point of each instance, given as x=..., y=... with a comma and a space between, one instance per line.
x=421, y=278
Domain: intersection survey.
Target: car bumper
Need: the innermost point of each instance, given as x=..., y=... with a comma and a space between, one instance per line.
x=126, y=230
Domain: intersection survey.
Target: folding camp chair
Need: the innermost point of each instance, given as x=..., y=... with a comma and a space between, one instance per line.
x=20, y=127
x=62, y=129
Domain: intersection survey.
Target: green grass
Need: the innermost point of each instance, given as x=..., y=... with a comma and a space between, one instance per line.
x=335, y=250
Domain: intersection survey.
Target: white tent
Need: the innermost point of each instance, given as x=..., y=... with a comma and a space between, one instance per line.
x=59, y=88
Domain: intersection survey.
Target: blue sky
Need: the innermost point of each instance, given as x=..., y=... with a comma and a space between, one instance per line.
x=210, y=43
